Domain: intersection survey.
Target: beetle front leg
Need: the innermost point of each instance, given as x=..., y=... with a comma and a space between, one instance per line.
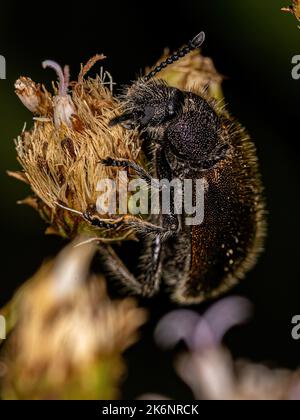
x=139, y=225
x=124, y=119
x=96, y=221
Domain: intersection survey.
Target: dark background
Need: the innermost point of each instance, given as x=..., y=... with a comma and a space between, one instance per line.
x=252, y=43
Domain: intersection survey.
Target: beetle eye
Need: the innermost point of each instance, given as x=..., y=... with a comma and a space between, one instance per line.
x=171, y=109
x=176, y=102
x=148, y=114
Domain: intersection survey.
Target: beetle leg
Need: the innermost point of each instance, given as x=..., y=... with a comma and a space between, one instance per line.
x=123, y=119
x=117, y=269
x=125, y=163
x=147, y=228
x=96, y=221
x=148, y=283
x=139, y=225
x=151, y=267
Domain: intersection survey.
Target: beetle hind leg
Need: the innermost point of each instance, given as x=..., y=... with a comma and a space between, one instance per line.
x=145, y=285
x=117, y=269
x=150, y=264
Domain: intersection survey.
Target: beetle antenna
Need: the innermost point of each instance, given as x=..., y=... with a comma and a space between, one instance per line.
x=69, y=209
x=195, y=43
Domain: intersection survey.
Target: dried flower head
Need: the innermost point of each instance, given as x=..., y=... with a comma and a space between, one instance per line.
x=68, y=335
x=60, y=155
x=193, y=72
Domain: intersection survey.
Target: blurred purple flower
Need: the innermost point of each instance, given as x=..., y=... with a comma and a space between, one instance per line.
x=202, y=332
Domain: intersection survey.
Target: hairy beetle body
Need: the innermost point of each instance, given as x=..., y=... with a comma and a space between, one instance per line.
x=191, y=138
x=220, y=251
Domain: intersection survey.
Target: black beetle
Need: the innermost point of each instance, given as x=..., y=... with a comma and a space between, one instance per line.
x=192, y=138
